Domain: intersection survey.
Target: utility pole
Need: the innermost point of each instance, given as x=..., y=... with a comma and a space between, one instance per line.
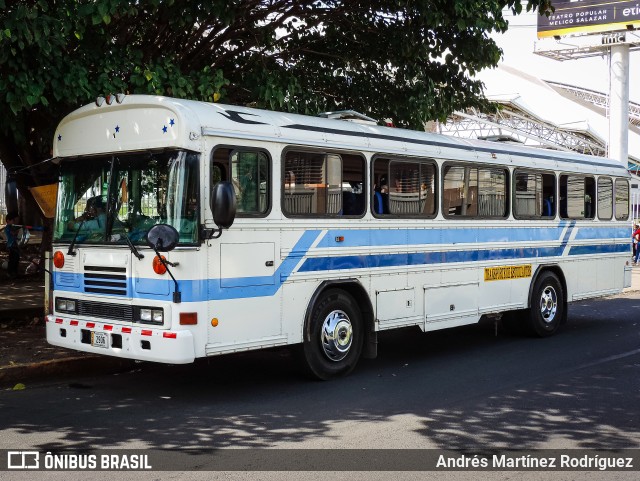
x=619, y=103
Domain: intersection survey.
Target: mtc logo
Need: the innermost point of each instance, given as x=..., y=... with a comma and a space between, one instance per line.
x=619, y=37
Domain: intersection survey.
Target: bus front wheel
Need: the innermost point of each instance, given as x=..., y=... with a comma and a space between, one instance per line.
x=334, y=343
x=547, y=305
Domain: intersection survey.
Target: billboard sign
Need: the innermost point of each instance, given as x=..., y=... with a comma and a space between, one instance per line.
x=589, y=16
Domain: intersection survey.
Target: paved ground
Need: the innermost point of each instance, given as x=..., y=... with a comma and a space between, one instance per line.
x=25, y=356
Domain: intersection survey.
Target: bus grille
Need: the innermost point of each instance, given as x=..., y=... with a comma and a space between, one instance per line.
x=105, y=280
x=105, y=310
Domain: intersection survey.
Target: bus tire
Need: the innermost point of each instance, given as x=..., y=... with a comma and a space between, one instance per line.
x=547, y=305
x=334, y=344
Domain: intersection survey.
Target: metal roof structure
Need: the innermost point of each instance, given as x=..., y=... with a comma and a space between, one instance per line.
x=544, y=114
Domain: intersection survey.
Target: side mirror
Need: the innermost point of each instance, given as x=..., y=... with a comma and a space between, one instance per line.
x=162, y=238
x=223, y=204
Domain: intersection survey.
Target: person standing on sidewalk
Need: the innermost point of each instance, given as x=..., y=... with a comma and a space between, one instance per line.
x=12, y=244
x=636, y=243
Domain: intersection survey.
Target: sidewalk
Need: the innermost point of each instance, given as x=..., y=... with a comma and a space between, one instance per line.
x=25, y=355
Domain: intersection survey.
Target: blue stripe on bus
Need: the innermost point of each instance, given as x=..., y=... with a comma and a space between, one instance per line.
x=245, y=287
x=394, y=237
x=567, y=235
x=603, y=233
x=389, y=237
x=205, y=289
x=319, y=264
x=600, y=249
x=210, y=289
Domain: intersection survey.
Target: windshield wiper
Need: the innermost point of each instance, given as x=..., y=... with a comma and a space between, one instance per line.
x=133, y=248
x=71, y=252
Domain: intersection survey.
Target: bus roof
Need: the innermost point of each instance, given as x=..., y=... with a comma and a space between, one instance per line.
x=143, y=122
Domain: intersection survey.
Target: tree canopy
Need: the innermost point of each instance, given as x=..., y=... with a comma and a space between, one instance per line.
x=409, y=61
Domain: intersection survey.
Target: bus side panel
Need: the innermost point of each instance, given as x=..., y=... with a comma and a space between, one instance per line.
x=454, y=301
x=243, y=289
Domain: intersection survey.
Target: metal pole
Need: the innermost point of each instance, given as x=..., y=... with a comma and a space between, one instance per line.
x=619, y=104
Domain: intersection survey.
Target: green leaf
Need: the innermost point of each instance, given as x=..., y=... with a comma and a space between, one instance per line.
x=103, y=9
x=7, y=33
x=15, y=107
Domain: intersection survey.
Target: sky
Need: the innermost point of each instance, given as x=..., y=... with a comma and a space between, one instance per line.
x=592, y=73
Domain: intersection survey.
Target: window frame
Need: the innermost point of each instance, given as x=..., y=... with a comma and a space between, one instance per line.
x=529, y=170
x=242, y=148
x=613, y=197
x=338, y=152
x=407, y=159
x=615, y=203
x=478, y=166
x=584, y=177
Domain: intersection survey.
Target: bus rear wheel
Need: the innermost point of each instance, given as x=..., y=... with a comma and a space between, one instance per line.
x=334, y=343
x=547, y=305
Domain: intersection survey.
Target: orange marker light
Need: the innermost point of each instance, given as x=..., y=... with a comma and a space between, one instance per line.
x=158, y=266
x=214, y=321
x=58, y=259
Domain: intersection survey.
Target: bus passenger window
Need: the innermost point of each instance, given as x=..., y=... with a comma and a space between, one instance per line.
x=622, y=199
x=605, y=198
x=474, y=192
x=315, y=183
x=404, y=188
x=534, y=195
x=460, y=194
x=577, y=197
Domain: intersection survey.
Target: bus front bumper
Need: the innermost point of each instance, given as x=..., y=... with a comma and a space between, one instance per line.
x=128, y=342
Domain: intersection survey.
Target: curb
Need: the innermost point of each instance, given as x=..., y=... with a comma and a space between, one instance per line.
x=62, y=368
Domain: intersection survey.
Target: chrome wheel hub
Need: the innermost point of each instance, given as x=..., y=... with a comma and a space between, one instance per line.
x=336, y=335
x=548, y=304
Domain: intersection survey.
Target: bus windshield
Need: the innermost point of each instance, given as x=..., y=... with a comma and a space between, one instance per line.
x=108, y=199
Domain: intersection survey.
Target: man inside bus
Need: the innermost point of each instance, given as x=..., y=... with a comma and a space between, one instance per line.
x=93, y=218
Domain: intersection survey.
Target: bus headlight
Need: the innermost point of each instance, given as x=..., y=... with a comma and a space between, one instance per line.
x=150, y=315
x=65, y=305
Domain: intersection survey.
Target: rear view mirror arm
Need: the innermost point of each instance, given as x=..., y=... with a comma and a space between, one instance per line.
x=177, y=295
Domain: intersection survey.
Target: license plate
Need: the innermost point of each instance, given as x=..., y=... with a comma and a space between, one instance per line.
x=99, y=339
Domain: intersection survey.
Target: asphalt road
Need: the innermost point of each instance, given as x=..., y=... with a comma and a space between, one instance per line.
x=466, y=388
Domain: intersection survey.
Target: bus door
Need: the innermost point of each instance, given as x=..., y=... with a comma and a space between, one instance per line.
x=243, y=263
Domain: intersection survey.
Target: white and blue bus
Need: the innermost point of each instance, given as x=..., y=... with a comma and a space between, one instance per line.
x=188, y=229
